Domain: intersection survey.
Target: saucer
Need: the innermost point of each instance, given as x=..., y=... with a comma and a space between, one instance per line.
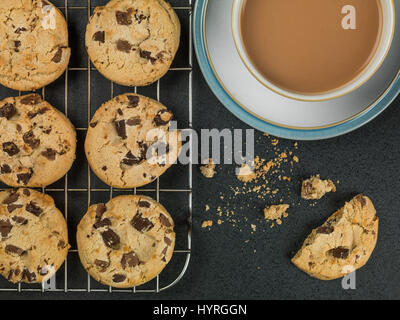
x=270, y=112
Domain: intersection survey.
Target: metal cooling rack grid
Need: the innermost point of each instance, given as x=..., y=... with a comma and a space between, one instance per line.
x=75, y=192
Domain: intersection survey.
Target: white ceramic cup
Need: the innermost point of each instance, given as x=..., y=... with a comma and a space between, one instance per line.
x=388, y=28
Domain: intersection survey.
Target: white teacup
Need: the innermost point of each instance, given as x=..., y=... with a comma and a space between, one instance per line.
x=388, y=28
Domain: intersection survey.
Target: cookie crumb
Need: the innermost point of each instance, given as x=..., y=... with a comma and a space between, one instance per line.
x=315, y=188
x=208, y=169
x=246, y=174
x=207, y=223
x=207, y=207
x=275, y=213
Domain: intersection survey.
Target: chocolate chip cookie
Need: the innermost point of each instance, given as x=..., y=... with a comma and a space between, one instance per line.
x=37, y=142
x=127, y=241
x=129, y=142
x=34, y=237
x=34, y=44
x=133, y=42
x=343, y=243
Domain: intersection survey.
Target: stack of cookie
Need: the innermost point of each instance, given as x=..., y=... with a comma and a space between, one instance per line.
x=129, y=142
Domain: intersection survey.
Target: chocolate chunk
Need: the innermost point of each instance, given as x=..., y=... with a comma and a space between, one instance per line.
x=339, y=252
x=5, y=228
x=57, y=57
x=133, y=101
x=123, y=18
x=124, y=46
x=61, y=244
x=164, y=252
x=19, y=220
x=147, y=55
x=102, y=223
x=140, y=17
x=33, y=208
x=29, y=139
x=11, y=198
x=134, y=121
x=26, y=192
x=102, y=265
x=47, y=131
x=10, y=249
x=131, y=160
x=19, y=128
x=120, y=112
x=143, y=150
x=144, y=204
x=24, y=177
x=100, y=209
x=30, y=276
x=360, y=198
x=12, y=207
x=164, y=221
x=94, y=124
x=121, y=128
x=129, y=260
x=20, y=29
x=10, y=148
x=99, y=36
x=111, y=239
x=17, y=44
x=8, y=111
x=10, y=275
x=32, y=115
x=325, y=230
x=104, y=168
x=49, y=154
x=141, y=224
x=167, y=241
x=163, y=117
x=5, y=168
x=117, y=278
x=31, y=99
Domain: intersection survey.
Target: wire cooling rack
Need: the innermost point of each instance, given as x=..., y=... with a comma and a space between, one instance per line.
x=78, y=93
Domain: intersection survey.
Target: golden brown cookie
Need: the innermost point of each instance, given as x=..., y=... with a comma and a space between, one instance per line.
x=127, y=241
x=34, y=237
x=129, y=142
x=343, y=243
x=33, y=44
x=37, y=142
x=133, y=42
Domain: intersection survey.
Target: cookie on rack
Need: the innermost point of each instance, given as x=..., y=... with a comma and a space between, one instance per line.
x=37, y=142
x=343, y=243
x=133, y=42
x=130, y=141
x=34, y=44
x=127, y=241
x=34, y=236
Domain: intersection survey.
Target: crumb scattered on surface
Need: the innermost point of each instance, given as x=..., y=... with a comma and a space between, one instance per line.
x=268, y=179
x=276, y=213
x=315, y=188
x=246, y=174
x=208, y=169
x=207, y=207
x=207, y=223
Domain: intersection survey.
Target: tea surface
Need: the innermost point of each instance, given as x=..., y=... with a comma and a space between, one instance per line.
x=302, y=45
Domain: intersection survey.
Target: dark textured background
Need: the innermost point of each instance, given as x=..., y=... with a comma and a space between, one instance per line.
x=223, y=265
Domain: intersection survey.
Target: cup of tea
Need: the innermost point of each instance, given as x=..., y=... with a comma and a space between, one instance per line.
x=313, y=50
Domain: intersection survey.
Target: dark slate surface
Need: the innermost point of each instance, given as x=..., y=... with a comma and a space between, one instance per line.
x=223, y=265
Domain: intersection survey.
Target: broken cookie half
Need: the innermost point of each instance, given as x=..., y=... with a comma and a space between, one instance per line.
x=343, y=243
